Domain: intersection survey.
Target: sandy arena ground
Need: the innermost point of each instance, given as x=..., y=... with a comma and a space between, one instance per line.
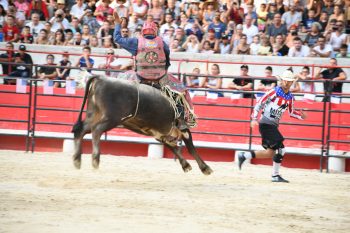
x=42, y=192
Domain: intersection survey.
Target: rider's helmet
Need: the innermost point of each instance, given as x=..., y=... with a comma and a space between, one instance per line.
x=149, y=29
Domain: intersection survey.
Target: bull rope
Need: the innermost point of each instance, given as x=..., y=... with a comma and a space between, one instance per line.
x=131, y=116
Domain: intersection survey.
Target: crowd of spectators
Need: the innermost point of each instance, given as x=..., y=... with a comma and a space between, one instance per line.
x=293, y=28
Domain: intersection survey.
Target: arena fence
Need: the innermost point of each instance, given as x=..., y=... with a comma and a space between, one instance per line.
x=324, y=139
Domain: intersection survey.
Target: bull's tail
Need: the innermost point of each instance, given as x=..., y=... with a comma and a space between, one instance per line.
x=78, y=126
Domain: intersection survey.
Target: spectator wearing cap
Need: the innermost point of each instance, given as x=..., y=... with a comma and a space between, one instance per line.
x=298, y=49
x=21, y=70
x=321, y=49
x=38, y=6
x=312, y=36
x=218, y=26
x=276, y=28
x=242, y=83
x=59, y=21
x=223, y=46
x=292, y=17
x=78, y=9
x=249, y=29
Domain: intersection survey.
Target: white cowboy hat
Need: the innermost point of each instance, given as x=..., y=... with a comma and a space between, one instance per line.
x=287, y=76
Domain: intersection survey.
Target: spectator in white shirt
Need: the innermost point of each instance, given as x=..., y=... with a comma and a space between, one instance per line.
x=78, y=9
x=337, y=37
x=291, y=17
x=321, y=49
x=298, y=50
x=59, y=21
x=169, y=22
x=35, y=25
x=250, y=29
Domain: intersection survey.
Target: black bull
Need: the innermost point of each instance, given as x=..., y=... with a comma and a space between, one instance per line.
x=139, y=108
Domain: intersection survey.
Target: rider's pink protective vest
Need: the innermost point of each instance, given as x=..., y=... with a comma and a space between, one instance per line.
x=150, y=58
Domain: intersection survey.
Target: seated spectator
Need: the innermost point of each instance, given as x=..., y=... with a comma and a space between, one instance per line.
x=283, y=48
x=223, y=46
x=337, y=38
x=298, y=50
x=86, y=35
x=250, y=11
x=343, y=52
x=290, y=36
x=22, y=6
x=19, y=16
x=267, y=84
x=25, y=36
x=78, y=10
x=230, y=29
x=191, y=44
x=35, y=25
x=213, y=82
x=276, y=50
x=249, y=29
x=91, y=21
x=332, y=73
x=69, y=37
x=218, y=26
x=242, y=48
x=63, y=73
x=48, y=71
x=323, y=21
x=321, y=49
x=193, y=81
x=206, y=48
x=104, y=32
x=21, y=70
x=180, y=35
x=272, y=10
x=7, y=57
x=262, y=16
x=59, y=21
x=85, y=60
x=243, y=83
x=276, y=28
x=94, y=42
x=237, y=36
x=265, y=47
x=193, y=10
x=59, y=38
x=313, y=35
x=114, y=64
x=169, y=35
x=102, y=12
x=175, y=46
x=235, y=13
x=309, y=21
x=292, y=17
x=10, y=30
x=78, y=40
x=156, y=11
x=39, y=7
x=305, y=75
x=209, y=9
x=338, y=14
x=169, y=22
x=254, y=46
x=50, y=34
x=75, y=25
x=121, y=7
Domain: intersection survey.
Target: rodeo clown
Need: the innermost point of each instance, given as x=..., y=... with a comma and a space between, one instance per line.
x=152, y=62
x=274, y=103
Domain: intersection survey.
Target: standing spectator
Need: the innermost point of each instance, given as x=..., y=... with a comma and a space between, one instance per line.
x=218, y=26
x=305, y=75
x=242, y=83
x=331, y=73
x=10, y=30
x=48, y=71
x=35, y=25
x=63, y=73
x=39, y=7
x=85, y=60
x=242, y=48
x=78, y=10
x=298, y=50
x=291, y=17
x=213, y=82
x=343, y=52
x=7, y=57
x=272, y=139
x=276, y=28
x=321, y=49
x=193, y=80
x=337, y=37
x=21, y=70
x=249, y=29
x=267, y=84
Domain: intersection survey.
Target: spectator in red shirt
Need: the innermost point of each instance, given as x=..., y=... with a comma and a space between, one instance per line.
x=10, y=30
x=38, y=6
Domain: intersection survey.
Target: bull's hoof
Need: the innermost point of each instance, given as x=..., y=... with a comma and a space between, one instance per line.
x=77, y=163
x=206, y=170
x=95, y=163
x=186, y=167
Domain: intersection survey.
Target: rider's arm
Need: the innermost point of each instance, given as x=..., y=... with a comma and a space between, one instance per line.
x=261, y=103
x=130, y=44
x=294, y=113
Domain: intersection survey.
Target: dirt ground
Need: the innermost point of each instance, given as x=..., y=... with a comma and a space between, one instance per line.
x=42, y=192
